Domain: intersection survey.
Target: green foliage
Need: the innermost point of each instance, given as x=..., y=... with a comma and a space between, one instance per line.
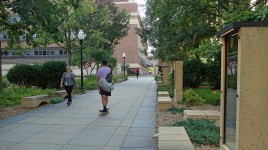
x=210, y=96
x=158, y=77
x=177, y=110
x=46, y=75
x=6, y=83
x=52, y=71
x=56, y=100
x=12, y=96
x=192, y=98
x=119, y=78
x=79, y=91
x=169, y=88
x=89, y=83
x=179, y=29
x=213, y=74
x=193, y=73
x=104, y=27
x=201, y=96
x=202, y=132
x=171, y=77
x=22, y=75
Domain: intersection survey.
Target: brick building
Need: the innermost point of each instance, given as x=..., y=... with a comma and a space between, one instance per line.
x=131, y=44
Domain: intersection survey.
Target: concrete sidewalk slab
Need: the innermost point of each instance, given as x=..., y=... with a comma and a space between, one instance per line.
x=129, y=125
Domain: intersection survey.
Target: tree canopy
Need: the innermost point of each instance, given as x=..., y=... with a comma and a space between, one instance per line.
x=182, y=29
x=43, y=22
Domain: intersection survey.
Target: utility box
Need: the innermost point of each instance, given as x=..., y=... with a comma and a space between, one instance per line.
x=244, y=86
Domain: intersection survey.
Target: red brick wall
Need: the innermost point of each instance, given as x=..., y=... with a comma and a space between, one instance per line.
x=129, y=46
x=130, y=7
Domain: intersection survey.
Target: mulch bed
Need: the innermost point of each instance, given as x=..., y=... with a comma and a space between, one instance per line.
x=13, y=111
x=166, y=118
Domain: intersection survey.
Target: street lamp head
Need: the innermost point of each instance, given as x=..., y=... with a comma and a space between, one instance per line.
x=81, y=35
x=124, y=55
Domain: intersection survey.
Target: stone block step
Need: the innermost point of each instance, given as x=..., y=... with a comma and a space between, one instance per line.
x=159, y=82
x=174, y=138
x=164, y=103
x=162, y=93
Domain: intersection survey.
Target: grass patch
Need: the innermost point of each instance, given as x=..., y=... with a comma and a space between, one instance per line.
x=177, y=110
x=79, y=91
x=12, y=96
x=210, y=96
x=201, y=131
x=88, y=84
x=56, y=100
x=169, y=88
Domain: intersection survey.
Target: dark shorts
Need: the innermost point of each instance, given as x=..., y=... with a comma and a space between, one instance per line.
x=102, y=92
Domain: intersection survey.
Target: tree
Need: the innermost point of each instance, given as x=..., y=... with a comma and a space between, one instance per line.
x=177, y=28
x=69, y=14
x=60, y=23
x=104, y=28
x=54, y=23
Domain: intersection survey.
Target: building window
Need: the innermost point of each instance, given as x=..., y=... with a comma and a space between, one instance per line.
x=61, y=52
x=40, y=52
x=52, y=53
x=48, y=52
x=35, y=52
x=44, y=52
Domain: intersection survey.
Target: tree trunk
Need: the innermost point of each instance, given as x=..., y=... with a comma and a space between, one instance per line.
x=1, y=81
x=92, y=71
x=69, y=58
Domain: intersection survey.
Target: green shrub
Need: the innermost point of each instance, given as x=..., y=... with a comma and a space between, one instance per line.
x=12, y=96
x=210, y=96
x=40, y=79
x=213, y=74
x=117, y=78
x=158, y=77
x=89, y=84
x=22, y=75
x=177, y=110
x=46, y=75
x=56, y=100
x=201, y=131
x=52, y=71
x=169, y=88
x=6, y=83
x=193, y=73
x=192, y=98
x=126, y=78
x=171, y=77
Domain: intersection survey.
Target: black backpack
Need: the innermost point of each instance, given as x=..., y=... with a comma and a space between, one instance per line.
x=109, y=77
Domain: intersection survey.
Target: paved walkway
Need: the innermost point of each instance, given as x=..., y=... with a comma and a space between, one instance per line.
x=129, y=125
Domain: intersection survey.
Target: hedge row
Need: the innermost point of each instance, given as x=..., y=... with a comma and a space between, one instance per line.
x=40, y=75
x=196, y=72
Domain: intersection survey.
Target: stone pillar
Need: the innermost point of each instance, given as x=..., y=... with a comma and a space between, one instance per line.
x=178, y=81
x=166, y=75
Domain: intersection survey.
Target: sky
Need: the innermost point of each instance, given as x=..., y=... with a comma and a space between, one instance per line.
x=141, y=9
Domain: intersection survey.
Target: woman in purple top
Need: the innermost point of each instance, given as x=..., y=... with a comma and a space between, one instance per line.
x=102, y=73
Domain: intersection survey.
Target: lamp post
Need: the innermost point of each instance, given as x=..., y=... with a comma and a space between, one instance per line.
x=124, y=57
x=81, y=37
